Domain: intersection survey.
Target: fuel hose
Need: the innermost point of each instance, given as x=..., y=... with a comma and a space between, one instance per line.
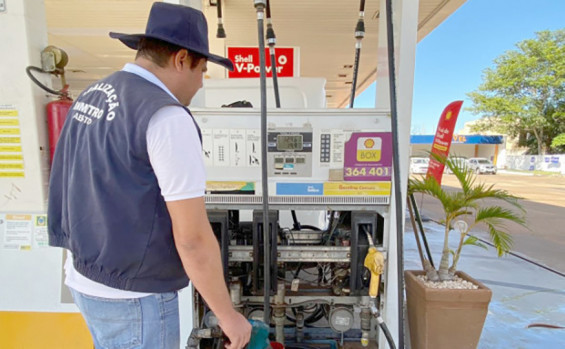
x=221, y=32
x=271, y=42
x=359, y=35
x=396, y=170
x=260, y=7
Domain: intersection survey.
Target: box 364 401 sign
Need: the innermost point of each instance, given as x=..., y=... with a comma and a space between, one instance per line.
x=368, y=157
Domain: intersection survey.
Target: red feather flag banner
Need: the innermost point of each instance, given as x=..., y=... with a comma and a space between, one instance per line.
x=442, y=139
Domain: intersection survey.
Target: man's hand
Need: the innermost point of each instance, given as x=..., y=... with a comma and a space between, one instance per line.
x=237, y=329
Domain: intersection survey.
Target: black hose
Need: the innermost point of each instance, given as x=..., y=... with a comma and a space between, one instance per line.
x=419, y=221
x=355, y=71
x=221, y=33
x=271, y=41
x=260, y=6
x=38, y=83
x=296, y=225
x=306, y=226
x=359, y=35
x=388, y=336
x=396, y=171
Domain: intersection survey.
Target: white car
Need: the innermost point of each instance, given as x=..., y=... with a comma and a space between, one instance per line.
x=481, y=165
x=419, y=165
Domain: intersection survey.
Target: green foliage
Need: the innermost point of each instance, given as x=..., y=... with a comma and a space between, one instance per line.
x=524, y=93
x=558, y=143
x=475, y=203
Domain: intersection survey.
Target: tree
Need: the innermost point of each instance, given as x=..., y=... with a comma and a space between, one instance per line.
x=525, y=91
x=558, y=143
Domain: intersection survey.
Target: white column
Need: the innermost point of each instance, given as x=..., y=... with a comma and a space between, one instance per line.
x=23, y=35
x=405, y=27
x=33, y=273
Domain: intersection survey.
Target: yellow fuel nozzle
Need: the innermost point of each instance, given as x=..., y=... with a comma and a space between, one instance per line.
x=375, y=262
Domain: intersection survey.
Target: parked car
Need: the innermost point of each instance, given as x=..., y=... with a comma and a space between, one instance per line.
x=481, y=165
x=419, y=165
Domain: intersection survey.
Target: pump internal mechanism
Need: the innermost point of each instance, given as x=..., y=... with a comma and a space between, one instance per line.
x=320, y=285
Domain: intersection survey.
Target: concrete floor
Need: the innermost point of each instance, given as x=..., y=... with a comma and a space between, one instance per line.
x=543, y=240
x=523, y=293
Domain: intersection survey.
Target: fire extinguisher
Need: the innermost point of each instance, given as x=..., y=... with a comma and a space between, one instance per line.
x=53, y=61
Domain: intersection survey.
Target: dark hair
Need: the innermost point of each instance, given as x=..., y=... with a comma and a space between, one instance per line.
x=159, y=51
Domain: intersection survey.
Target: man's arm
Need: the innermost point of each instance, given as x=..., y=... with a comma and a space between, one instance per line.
x=200, y=255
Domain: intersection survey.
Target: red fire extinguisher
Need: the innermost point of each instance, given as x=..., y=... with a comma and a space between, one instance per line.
x=56, y=114
x=53, y=61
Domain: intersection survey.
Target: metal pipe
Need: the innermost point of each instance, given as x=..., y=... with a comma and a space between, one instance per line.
x=260, y=7
x=279, y=313
x=396, y=171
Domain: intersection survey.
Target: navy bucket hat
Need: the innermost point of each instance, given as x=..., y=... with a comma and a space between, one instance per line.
x=176, y=24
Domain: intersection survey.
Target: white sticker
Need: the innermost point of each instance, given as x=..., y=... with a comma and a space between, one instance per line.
x=207, y=147
x=238, y=149
x=221, y=153
x=253, y=139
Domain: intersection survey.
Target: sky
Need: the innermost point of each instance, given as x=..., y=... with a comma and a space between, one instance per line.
x=450, y=60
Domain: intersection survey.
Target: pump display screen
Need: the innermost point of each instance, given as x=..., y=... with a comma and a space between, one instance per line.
x=289, y=142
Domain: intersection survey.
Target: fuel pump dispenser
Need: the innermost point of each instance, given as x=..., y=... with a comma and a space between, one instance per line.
x=335, y=162
x=312, y=285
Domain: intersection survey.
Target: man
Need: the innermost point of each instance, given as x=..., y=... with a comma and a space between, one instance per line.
x=127, y=192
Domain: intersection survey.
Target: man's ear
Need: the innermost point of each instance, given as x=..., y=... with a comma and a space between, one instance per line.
x=181, y=58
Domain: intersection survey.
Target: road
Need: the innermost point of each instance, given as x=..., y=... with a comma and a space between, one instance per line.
x=543, y=240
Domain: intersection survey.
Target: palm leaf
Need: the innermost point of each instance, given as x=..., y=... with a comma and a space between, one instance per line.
x=496, y=215
x=471, y=240
x=502, y=241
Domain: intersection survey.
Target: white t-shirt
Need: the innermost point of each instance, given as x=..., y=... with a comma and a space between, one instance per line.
x=175, y=154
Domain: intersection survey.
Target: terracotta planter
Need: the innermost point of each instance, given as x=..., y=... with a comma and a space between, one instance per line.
x=442, y=318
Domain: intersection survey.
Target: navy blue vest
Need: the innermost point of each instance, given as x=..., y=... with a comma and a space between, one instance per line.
x=105, y=204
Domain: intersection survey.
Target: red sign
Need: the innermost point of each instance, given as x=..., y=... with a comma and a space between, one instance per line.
x=442, y=139
x=246, y=62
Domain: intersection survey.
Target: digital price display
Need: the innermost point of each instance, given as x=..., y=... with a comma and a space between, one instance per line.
x=289, y=142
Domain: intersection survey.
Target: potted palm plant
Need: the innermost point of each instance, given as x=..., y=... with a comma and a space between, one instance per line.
x=439, y=315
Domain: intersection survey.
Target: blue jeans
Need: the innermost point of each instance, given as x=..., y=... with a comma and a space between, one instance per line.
x=150, y=322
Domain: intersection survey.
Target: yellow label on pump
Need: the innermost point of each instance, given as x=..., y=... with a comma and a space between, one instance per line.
x=357, y=188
